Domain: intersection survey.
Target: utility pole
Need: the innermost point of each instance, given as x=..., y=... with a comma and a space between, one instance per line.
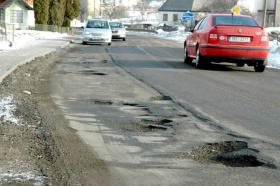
x=94, y=8
x=264, y=13
x=100, y=2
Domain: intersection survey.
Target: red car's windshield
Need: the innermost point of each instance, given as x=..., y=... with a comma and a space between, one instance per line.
x=234, y=20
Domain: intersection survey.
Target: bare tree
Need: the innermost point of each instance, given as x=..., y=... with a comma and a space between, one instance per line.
x=119, y=12
x=83, y=11
x=216, y=6
x=245, y=8
x=143, y=6
x=108, y=8
x=112, y=11
x=220, y=6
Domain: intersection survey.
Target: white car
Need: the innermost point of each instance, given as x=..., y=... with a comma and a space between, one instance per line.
x=97, y=31
x=118, y=30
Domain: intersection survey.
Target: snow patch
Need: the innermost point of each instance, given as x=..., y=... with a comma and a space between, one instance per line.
x=7, y=109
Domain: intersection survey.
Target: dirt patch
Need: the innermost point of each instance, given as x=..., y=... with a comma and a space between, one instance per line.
x=36, y=145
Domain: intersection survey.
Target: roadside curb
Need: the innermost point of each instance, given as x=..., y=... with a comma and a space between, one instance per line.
x=2, y=77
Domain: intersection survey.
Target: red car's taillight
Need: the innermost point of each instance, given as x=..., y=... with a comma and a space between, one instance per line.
x=264, y=39
x=213, y=37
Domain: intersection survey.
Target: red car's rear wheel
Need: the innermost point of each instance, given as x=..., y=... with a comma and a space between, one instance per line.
x=259, y=67
x=186, y=58
x=199, y=62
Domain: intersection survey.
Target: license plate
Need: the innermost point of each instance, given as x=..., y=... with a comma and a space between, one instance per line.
x=96, y=38
x=239, y=39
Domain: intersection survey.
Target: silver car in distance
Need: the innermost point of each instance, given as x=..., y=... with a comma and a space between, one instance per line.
x=97, y=31
x=118, y=30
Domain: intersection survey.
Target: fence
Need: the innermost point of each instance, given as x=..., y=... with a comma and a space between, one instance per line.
x=51, y=28
x=7, y=32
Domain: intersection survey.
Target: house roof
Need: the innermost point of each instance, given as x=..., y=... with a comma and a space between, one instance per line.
x=6, y=3
x=29, y=2
x=177, y=6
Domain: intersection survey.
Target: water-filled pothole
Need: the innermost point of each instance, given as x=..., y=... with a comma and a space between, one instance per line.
x=229, y=153
x=146, y=125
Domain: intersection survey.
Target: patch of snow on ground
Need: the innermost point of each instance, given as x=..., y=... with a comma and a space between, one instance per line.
x=20, y=176
x=7, y=109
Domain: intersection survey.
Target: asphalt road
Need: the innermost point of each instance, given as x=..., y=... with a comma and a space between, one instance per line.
x=156, y=120
x=233, y=98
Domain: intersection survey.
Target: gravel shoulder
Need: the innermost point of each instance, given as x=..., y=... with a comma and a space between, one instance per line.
x=37, y=147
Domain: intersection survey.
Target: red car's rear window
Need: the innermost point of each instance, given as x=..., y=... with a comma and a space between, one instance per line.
x=234, y=20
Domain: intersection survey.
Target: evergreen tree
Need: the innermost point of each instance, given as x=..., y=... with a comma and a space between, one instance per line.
x=72, y=11
x=41, y=11
x=56, y=12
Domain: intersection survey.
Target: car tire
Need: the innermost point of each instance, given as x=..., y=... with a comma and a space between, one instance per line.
x=240, y=64
x=187, y=59
x=123, y=39
x=84, y=43
x=199, y=61
x=109, y=44
x=259, y=67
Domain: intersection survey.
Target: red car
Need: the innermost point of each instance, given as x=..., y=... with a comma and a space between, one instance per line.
x=228, y=38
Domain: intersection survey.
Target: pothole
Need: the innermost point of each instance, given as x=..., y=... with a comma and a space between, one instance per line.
x=147, y=125
x=158, y=98
x=101, y=102
x=182, y=115
x=92, y=72
x=229, y=153
x=94, y=60
x=130, y=104
x=157, y=121
x=134, y=108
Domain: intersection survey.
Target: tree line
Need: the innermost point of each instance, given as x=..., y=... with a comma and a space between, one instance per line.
x=56, y=12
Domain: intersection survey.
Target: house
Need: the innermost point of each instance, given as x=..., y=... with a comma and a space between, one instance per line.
x=17, y=12
x=172, y=10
